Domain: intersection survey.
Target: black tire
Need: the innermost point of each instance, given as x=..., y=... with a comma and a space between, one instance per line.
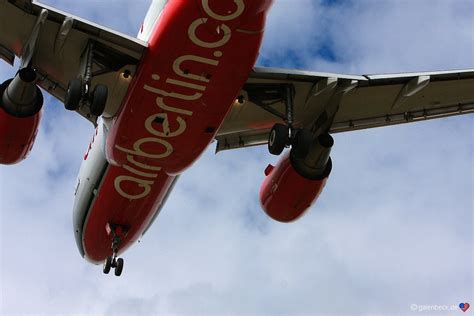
x=99, y=99
x=107, y=265
x=302, y=143
x=278, y=139
x=73, y=95
x=119, y=267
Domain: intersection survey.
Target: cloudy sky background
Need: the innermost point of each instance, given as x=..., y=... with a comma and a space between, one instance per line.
x=393, y=227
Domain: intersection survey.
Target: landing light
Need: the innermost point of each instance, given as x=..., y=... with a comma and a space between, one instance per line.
x=240, y=100
x=126, y=74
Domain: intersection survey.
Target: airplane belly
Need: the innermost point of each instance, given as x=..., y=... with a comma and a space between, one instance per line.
x=87, y=188
x=198, y=59
x=197, y=62
x=97, y=203
x=109, y=207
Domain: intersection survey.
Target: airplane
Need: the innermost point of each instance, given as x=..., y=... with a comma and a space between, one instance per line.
x=157, y=102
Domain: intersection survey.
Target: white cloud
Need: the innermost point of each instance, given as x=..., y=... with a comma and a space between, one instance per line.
x=393, y=227
x=374, y=36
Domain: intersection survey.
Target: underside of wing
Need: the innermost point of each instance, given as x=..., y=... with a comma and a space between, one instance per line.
x=56, y=45
x=323, y=102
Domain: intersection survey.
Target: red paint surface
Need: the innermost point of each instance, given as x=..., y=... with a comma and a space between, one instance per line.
x=169, y=41
x=285, y=195
x=109, y=207
x=17, y=136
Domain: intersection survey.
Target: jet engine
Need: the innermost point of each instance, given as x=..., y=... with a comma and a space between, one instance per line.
x=295, y=183
x=21, y=102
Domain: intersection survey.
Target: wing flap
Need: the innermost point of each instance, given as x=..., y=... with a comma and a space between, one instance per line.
x=360, y=101
x=383, y=102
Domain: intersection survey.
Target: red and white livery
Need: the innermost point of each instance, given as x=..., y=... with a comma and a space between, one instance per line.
x=158, y=101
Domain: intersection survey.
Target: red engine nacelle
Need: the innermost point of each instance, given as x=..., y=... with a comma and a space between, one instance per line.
x=21, y=102
x=292, y=186
x=17, y=136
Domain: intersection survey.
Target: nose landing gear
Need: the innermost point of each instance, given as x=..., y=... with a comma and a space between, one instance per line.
x=113, y=262
x=117, y=232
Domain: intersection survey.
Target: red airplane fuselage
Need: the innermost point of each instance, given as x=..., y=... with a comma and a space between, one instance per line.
x=199, y=56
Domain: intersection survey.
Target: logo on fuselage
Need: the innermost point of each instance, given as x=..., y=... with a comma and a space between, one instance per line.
x=142, y=175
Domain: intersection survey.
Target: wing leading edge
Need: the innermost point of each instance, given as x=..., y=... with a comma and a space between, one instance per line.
x=341, y=103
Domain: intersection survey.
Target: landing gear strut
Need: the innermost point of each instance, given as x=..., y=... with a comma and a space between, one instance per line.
x=79, y=89
x=281, y=135
x=117, y=232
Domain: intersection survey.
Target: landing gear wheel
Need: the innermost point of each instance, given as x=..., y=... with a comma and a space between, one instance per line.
x=119, y=267
x=99, y=99
x=278, y=139
x=302, y=143
x=73, y=95
x=107, y=265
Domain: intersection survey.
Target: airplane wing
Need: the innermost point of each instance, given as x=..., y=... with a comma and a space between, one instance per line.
x=334, y=103
x=56, y=42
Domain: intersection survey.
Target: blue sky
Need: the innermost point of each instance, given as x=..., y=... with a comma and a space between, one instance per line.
x=393, y=227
